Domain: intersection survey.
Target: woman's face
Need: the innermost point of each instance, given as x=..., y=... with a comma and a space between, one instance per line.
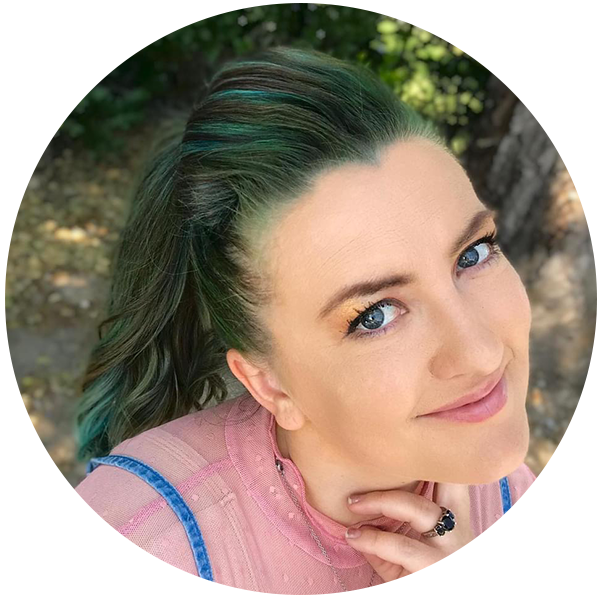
x=451, y=318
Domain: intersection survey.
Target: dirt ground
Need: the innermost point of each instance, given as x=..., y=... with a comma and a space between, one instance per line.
x=58, y=278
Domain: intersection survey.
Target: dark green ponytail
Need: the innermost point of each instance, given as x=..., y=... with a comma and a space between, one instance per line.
x=189, y=277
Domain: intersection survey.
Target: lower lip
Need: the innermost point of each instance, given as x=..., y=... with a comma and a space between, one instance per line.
x=475, y=412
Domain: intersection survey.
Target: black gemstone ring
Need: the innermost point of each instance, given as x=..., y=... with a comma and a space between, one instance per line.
x=447, y=522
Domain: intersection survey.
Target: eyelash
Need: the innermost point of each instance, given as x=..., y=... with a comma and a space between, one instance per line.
x=490, y=238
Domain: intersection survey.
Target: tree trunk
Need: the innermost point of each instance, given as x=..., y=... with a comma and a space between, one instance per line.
x=534, y=159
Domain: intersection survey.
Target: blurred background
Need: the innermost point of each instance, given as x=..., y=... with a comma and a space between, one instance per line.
x=68, y=225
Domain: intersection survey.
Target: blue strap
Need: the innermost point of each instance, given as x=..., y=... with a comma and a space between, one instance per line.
x=173, y=498
x=182, y=510
x=508, y=522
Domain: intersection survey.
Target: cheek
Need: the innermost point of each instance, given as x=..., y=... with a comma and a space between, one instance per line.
x=508, y=307
x=380, y=397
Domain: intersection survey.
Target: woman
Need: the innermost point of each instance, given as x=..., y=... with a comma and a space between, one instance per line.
x=312, y=234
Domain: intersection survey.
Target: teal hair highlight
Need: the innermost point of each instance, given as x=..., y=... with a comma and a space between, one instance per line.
x=190, y=276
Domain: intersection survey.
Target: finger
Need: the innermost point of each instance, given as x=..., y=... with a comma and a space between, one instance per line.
x=421, y=513
x=457, y=498
x=396, y=548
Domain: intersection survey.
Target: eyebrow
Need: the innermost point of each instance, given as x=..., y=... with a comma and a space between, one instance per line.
x=371, y=286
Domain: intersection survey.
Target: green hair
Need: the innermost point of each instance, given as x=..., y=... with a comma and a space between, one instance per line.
x=189, y=275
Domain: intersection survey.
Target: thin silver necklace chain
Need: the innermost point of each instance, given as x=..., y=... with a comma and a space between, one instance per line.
x=279, y=466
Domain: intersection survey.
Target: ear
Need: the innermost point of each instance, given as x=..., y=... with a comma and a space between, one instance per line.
x=265, y=387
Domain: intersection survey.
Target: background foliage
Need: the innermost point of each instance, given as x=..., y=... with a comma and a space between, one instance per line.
x=83, y=71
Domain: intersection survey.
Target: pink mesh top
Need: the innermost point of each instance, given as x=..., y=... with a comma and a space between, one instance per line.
x=221, y=461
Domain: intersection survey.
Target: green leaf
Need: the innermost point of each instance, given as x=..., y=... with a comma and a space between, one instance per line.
x=100, y=94
x=436, y=52
x=387, y=26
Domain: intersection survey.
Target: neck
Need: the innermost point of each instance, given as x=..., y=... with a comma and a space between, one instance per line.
x=328, y=481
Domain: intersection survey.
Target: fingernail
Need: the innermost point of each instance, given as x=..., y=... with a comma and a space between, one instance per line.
x=353, y=499
x=352, y=532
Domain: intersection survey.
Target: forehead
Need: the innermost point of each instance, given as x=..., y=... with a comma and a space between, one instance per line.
x=360, y=219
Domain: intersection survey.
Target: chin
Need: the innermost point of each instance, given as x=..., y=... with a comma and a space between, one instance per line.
x=510, y=461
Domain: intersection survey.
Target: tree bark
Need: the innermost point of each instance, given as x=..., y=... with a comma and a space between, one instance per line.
x=534, y=159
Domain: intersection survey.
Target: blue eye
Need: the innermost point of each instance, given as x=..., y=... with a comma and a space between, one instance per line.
x=490, y=240
x=373, y=316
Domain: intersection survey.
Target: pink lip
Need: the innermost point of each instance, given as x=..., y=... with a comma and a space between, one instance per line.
x=475, y=396
x=475, y=408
